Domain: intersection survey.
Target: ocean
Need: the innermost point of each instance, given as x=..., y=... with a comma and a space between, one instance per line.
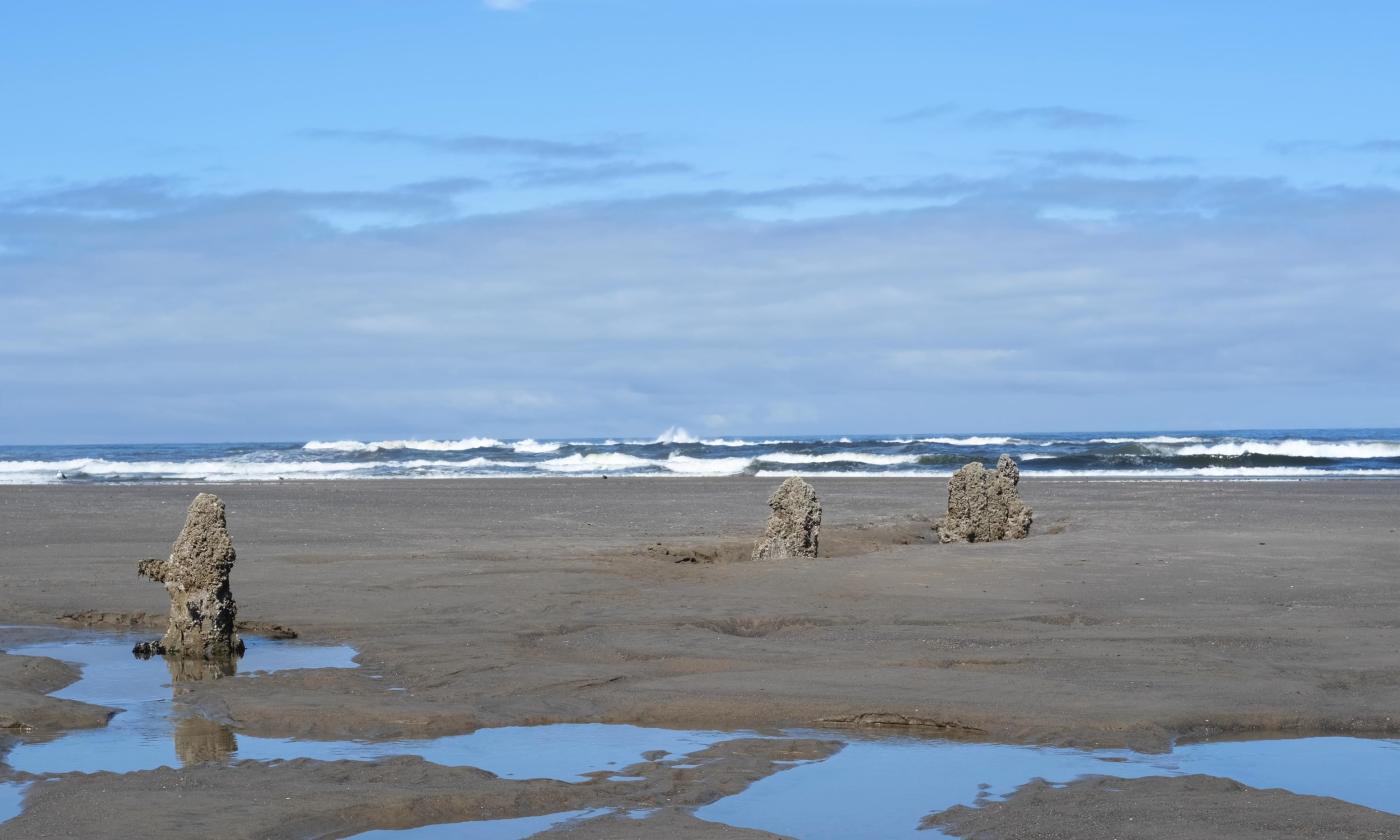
x=1251, y=454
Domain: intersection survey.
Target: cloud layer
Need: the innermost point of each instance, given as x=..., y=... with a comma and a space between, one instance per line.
x=1019, y=301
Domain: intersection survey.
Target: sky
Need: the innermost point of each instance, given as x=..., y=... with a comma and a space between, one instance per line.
x=377, y=219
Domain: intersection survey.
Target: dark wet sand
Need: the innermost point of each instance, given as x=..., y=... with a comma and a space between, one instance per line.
x=1136, y=612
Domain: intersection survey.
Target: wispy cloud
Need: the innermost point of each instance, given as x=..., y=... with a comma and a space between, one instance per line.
x=477, y=144
x=601, y=173
x=1051, y=117
x=1377, y=146
x=506, y=5
x=928, y=112
x=1093, y=158
x=1386, y=146
x=1054, y=117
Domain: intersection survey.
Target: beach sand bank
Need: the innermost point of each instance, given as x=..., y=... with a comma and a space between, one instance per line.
x=1135, y=614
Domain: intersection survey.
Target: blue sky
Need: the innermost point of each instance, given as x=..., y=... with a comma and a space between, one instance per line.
x=566, y=217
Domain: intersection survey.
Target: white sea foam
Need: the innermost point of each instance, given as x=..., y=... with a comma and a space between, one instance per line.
x=1298, y=449
x=686, y=465
x=229, y=470
x=1220, y=472
x=43, y=472
x=1032, y=456
x=975, y=440
x=41, y=466
x=676, y=434
x=853, y=474
x=530, y=446
x=836, y=458
x=422, y=445
x=1153, y=439
x=597, y=462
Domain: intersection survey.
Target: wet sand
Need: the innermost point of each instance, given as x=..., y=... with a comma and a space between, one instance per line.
x=1181, y=808
x=1135, y=613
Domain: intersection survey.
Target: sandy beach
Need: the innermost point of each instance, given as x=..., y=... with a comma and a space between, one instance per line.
x=1136, y=615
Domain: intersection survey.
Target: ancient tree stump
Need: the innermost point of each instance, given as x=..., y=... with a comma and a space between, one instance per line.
x=983, y=505
x=202, y=610
x=794, y=525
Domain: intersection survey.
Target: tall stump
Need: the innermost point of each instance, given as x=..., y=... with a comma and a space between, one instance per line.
x=794, y=525
x=202, y=610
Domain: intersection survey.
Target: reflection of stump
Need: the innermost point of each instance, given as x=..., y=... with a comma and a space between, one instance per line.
x=199, y=740
x=202, y=610
x=794, y=525
x=983, y=505
x=185, y=671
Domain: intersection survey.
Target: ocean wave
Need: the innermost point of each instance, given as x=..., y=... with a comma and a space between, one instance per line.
x=686, y=465
x=597, y=462
x=1219, y=472
x=1153, y=439
x=41, y=466
x=1298, y=449
x=676, y=434
x=385, y=445
x=530, y=446
x=872, y=459
x=35, y=472
x=853, y=473
x=975, y=440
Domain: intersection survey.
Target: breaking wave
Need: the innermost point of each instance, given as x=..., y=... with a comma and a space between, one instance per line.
x=1298, y=449
x=1153, y=439
x=676, y=434
x=596, y=462
x=969, y=441
x=388, y=445
x=530, y=446
x=835, y=458
x=1177, y=455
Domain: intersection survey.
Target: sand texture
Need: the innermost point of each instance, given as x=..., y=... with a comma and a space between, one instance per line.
x=1181, y=808
x=1134, y=613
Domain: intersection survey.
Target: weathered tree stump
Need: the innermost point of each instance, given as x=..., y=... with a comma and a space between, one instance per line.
x=794, y=525
x=984, y=505
x=202, y=610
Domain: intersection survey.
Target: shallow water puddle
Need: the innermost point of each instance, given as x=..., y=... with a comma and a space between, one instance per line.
x=898, y=782
x=873, y=787
x=155, y=730
x=11, y=799
x=885, y=787
x=516, y=829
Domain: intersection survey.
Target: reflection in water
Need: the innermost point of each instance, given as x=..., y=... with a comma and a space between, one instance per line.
x=513, y=829
x=896, y=780
x=199, y=740
x=156, y=726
